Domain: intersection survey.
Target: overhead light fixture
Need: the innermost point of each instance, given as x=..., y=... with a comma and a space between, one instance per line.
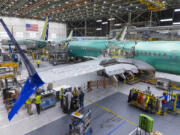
x=99, y=21
x=166, y=20
x=117, y=24
x=176, y=10
x=111, y=19
x=98, y=28
x=176, y=23
x=104, y=22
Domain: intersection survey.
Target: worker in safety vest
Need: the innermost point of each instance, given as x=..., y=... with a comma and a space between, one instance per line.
x=61, y=96
x=29, y=104
x=33, y=56
x=38, y=63
x=164, y=103
x=38, y=102
x=75, y=92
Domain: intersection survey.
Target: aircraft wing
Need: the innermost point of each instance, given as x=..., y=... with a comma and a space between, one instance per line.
x=123, y=65
x=60, y=73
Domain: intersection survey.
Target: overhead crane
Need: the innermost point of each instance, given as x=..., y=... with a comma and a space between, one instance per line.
x=154, y=5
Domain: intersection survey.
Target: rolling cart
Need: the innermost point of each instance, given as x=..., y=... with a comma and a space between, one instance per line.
x=80, y=123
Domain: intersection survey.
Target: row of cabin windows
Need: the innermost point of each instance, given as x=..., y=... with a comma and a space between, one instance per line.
x=153, y=54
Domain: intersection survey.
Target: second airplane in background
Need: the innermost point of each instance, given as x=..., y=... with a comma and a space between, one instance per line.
x=31, y=43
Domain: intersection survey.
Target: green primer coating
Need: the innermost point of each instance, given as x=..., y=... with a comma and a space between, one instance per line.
x=84, y=48
x=162, y=55
x=29, y=42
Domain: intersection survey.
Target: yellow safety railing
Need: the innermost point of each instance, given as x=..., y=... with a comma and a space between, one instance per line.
x=9, y=65
x=173, y=86
x=6, y=76
x=155, y=100
x=175, y=97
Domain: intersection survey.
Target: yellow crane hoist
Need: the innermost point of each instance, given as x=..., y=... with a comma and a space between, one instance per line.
x=154, y=5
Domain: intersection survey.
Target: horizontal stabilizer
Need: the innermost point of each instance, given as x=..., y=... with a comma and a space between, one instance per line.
x=31, y=85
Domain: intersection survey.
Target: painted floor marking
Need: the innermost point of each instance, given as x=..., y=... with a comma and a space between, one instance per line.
x=115, y=114
x=116, y=128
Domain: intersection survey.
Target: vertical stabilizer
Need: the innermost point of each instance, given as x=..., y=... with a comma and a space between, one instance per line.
x=44, y=35
x=70, y=35
x=122, y=34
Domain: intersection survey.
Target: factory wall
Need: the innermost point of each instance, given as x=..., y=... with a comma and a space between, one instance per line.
x=56, y=30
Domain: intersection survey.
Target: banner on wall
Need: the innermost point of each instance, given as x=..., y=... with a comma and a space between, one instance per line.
x=32, y=27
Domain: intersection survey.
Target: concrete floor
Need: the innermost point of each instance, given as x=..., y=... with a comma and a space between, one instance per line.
x=105, y=123
x=22, y=123
x=111, y=97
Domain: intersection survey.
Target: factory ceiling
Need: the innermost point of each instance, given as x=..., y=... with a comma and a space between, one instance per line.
x=76, y=10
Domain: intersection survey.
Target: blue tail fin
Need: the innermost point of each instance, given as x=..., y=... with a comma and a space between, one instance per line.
x=30, y=86
x=32, y=83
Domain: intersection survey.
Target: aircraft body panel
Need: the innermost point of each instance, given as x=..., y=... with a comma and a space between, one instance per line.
x=162, y=55
x=83, y=48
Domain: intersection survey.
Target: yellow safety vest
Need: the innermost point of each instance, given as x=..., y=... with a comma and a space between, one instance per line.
x=38, y=100
x=61, y=94
x=33, y=57
x=37, y=61
x=147, y=101
x=75, y=92
x=29, y=101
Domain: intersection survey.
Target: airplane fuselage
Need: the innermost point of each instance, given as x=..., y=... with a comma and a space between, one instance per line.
x=162, y=55
x=27, y=43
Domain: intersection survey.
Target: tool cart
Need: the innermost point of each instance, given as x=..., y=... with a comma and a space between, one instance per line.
x=80, y=123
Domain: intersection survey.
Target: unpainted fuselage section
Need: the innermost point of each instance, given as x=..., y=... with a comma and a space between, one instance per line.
x=162, y=55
